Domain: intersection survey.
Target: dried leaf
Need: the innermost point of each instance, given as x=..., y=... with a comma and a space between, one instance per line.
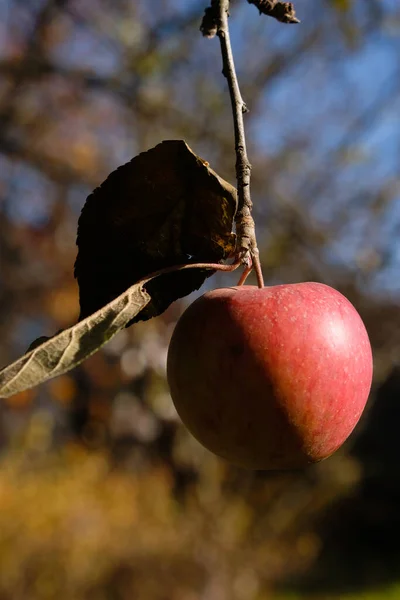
x=282, y=11
x=164, y=208
x=66, y=350
x=209, y=24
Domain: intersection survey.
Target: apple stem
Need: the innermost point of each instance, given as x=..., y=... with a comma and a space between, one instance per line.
x=257, y=268
x=215, y=22
x=245, y=274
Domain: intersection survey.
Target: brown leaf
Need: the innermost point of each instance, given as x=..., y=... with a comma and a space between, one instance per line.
x=164, y=208
x=282, y=11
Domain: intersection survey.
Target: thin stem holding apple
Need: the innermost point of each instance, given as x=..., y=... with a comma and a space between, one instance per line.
x=215, y=22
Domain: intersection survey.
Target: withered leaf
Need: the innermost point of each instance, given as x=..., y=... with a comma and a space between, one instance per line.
x=66, y=350
x=164, y=208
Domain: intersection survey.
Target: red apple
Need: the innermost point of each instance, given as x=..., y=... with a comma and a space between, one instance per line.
x=270, y=378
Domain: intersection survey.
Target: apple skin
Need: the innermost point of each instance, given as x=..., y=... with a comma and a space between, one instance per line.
x=271, y=378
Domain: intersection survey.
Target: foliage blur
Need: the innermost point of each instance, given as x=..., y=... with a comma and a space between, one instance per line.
x=103, y=494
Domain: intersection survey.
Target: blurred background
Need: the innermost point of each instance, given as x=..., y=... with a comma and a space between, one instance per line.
x=103, y=494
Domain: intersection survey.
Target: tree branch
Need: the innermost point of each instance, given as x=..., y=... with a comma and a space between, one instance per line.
x=216, y=22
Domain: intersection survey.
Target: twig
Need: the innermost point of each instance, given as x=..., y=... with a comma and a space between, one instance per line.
x=216, y=20
x=284, y=12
